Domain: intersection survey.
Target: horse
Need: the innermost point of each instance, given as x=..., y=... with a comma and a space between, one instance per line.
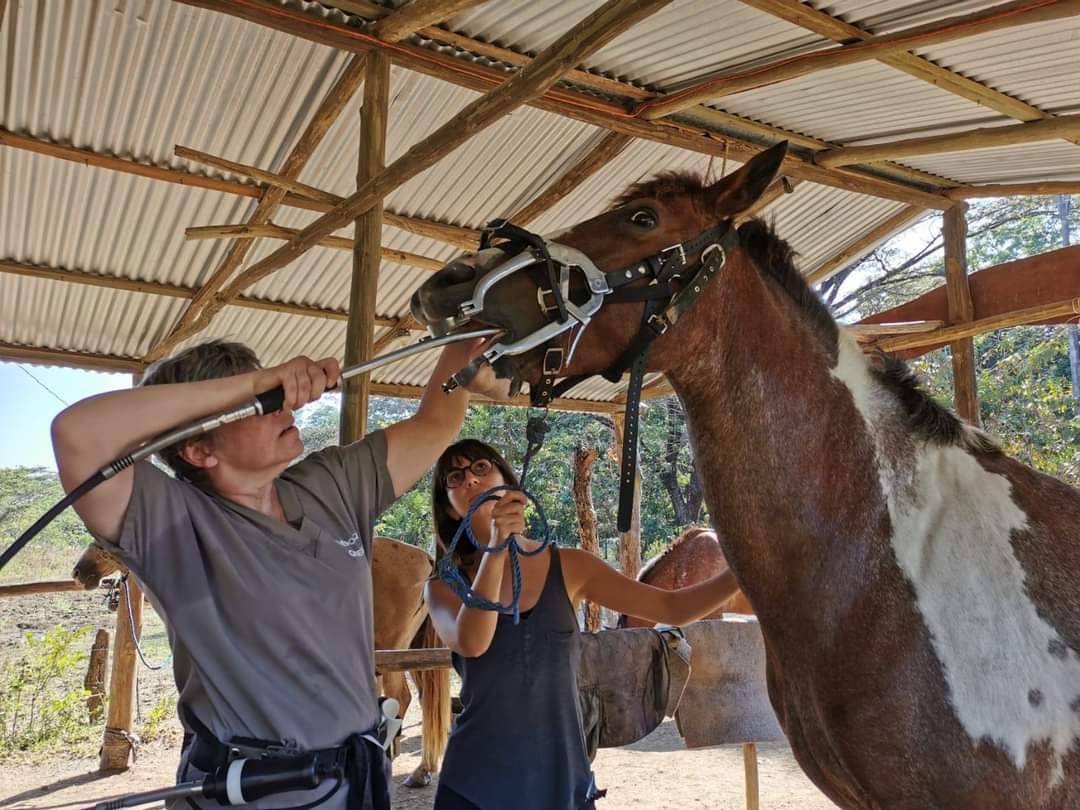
x=398, y=572
x=915, y=587
x=693, y=557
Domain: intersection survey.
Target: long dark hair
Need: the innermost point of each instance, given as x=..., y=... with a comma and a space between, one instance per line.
x=446, y=525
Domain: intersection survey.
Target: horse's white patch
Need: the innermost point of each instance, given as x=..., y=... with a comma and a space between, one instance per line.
x=952, y=521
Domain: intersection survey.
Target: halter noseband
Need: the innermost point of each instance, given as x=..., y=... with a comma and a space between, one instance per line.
x=671, y=291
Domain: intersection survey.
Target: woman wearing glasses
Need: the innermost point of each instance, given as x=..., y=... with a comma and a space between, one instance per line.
x=519, y=741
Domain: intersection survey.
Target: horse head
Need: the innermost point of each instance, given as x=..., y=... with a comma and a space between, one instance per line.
x=675, y=221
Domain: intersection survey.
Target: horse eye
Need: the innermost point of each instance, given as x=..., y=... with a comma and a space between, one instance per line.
x=644, y=218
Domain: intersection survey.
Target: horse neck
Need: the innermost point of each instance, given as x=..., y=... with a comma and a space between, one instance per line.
x=772, y=434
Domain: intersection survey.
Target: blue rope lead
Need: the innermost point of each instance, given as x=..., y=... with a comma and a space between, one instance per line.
x=448, y=571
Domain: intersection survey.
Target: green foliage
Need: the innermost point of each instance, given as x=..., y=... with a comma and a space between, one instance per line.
x=42, y=700
x=551, y=473
x=1027, y=396
x=25, y=494
x=164, y=710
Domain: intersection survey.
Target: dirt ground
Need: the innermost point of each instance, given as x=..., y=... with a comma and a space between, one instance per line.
x=657, y=772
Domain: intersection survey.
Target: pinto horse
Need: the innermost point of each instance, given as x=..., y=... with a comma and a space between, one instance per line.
x=693, y=557
x=916, y=588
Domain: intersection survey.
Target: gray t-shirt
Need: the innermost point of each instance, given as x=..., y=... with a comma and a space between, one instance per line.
x=270, y=622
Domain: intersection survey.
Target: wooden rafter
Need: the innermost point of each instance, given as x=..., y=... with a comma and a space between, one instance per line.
x=169, y=290
x=711, y=118
x=598, y=28
x=401, y=328
x=1067, y=126
x=272, y=231
x=109, y=362
x=609, y=147
x=810, y=18
x=467, y=238
x=571, y=104
x=863, y=245
x=1047, y=188
x=324, y=117
x=996, y=18
x=418, y=14
x=960, y=331
x=451, y=234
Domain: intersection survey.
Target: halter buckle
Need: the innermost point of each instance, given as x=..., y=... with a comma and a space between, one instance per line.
x=553, y=360
x=659, y=323
x=676, y=247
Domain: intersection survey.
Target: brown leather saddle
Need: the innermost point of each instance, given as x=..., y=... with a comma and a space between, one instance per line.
x=628, y=681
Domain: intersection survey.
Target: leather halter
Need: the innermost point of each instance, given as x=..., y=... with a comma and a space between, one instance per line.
x=672, y=289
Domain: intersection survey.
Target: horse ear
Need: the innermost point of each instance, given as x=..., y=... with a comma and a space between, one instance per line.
x=731, y=195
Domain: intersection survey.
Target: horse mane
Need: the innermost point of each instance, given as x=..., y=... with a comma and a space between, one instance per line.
x=653, y=562
x=775, y=258
x=926, y=416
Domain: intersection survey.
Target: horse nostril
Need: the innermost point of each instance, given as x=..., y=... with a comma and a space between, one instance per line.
x=455, y=273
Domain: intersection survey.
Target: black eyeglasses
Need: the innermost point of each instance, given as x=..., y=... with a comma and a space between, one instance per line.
x=480, y=468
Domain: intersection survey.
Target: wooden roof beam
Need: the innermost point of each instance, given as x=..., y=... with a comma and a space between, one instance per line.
x=169, y=290
x=466, y=238
x=1066, y=126
x=995, y=18
x=860, y=247
x=1047, y=188
x=272, y=231
x=713, y=118
x=810, y=18
x=38, y=355
x=418, y=14
x=609, y=147
x=571, y=104
x=599, y=28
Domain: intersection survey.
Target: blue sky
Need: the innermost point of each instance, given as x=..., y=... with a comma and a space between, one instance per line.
x=27, y=408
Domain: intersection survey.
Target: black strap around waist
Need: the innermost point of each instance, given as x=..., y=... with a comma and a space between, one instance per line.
x=359, y=761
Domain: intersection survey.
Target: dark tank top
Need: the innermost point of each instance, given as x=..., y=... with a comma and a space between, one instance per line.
x=518, y=742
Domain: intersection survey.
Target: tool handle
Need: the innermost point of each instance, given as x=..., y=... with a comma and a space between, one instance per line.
x=272, y=400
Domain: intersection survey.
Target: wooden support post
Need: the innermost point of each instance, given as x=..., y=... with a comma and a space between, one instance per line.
x=750, y=768
x=586, y=513
x=94, y=683
x=117, y=745
x=629, y=542
x=961, y=310
x=367, y=254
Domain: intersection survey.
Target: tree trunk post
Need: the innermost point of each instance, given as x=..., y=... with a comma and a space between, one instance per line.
x=94, y=683
x=961, y=310
x=367, y=249
x=118, y=744
x=586, y=513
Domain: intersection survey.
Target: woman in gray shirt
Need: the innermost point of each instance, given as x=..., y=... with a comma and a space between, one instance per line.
x=260, y=568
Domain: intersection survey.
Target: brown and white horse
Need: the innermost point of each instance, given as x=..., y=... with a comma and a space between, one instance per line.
x=917, y=589
x=693, y=557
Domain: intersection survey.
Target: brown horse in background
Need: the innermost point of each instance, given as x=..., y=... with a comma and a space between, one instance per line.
x=398, y=573
x=693, y=557
x=916, y=588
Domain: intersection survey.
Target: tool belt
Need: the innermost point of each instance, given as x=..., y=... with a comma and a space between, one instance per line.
x=355, y=761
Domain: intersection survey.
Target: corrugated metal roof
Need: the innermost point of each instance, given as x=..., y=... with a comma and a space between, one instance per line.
x=135, y=78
